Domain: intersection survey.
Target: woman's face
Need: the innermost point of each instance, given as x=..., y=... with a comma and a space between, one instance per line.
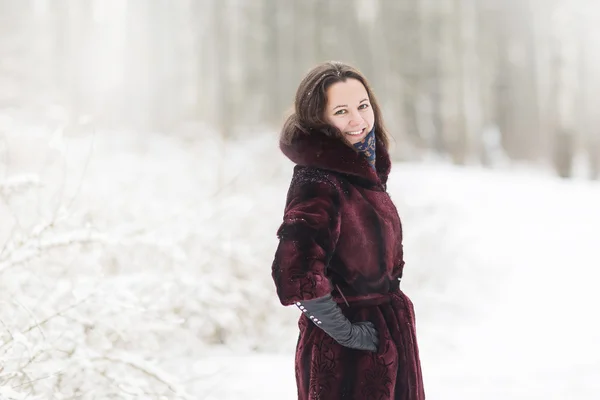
x=349, y=109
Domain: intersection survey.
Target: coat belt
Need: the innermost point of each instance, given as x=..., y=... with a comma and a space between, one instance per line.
x=370, y=299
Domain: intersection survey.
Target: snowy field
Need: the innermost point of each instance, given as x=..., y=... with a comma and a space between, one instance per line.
x=137, y=266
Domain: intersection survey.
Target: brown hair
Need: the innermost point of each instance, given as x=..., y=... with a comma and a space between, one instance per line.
x=311, y=100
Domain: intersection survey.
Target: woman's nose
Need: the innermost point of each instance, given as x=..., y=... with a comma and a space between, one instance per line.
x=355, y=119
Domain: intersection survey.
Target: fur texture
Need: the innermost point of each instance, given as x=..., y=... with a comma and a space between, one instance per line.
x=341, y=233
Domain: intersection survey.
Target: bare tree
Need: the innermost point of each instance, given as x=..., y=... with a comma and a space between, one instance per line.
x=517, y=98
x=564, y=89
x=222, y=54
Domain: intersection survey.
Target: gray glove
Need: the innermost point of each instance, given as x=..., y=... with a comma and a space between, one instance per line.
x=327, y=315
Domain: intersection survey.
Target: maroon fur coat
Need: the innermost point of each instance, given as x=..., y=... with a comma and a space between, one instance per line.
x=341, y=233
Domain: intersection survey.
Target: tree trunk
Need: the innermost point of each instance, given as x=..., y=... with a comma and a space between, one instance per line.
x=565, y=91
x=226, y=114
x=518, y=92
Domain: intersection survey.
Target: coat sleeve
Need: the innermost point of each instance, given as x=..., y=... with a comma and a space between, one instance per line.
x=307, y=240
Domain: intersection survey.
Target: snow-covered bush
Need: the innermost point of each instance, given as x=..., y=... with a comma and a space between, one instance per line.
x=124, y=256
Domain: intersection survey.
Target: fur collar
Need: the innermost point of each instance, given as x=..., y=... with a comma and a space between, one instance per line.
x=315, y=149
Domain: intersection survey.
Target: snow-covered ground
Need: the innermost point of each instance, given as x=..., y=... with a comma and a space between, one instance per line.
x=138, y=266
x=503, y=270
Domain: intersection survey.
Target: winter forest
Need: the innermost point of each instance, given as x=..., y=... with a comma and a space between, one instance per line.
x=141, y=187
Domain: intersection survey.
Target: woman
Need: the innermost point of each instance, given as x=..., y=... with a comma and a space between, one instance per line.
x=339, y=258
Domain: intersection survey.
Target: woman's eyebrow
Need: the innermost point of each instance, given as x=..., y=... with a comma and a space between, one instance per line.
x=346, y=105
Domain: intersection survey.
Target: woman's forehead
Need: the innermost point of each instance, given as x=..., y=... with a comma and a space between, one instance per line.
x=350, y=90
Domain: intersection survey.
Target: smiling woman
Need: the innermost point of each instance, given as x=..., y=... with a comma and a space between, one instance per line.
x=340, y=254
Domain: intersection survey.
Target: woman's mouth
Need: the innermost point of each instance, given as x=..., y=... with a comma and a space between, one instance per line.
x=356, y=133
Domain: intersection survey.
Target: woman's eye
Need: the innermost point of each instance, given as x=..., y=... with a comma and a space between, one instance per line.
x=339, y=112
x=363, y=106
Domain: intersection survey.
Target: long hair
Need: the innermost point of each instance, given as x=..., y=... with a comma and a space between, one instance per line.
x=308, y=116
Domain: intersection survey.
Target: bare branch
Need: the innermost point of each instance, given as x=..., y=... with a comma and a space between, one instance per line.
x=85, y=167
x=49, y=318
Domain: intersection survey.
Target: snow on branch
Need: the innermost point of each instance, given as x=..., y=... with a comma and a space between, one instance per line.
x=19, y=184
x=147, y=369
x=20, y=253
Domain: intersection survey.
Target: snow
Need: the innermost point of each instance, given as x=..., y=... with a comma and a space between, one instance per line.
x=137, y=265
x=502, y=267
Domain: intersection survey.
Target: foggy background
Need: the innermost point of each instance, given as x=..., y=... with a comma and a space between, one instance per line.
x=141, y=187
x=465, y=79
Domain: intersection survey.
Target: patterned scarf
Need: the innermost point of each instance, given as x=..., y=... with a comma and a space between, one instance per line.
x=367, y=147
